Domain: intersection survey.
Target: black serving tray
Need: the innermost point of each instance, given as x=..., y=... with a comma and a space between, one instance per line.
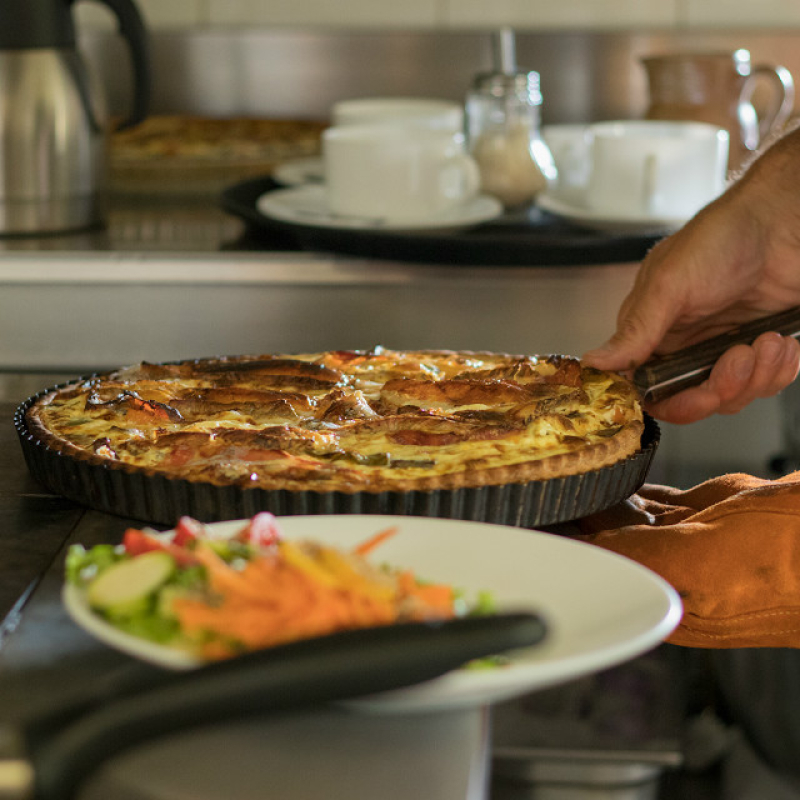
x=531, y=238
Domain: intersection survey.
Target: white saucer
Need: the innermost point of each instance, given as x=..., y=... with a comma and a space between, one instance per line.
x=600, y=221
x=307, y=205
x=300, y=172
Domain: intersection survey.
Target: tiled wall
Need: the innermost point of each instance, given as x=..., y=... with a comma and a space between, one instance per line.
x=465, y=14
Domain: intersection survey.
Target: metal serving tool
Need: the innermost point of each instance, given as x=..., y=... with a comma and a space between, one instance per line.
x=664, y=376
x=52, y=755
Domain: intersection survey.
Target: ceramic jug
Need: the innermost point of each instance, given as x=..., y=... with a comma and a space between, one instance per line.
x=719, y=88
x=53, y=122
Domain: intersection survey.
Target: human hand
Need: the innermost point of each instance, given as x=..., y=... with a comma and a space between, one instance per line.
x=741, y=375
x=737, y=260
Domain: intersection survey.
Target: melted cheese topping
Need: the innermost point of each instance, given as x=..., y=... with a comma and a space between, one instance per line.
x=342, y=419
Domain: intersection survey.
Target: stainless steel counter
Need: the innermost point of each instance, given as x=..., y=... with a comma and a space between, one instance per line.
x=170, y=282
x=175, y=277
x=160, y=222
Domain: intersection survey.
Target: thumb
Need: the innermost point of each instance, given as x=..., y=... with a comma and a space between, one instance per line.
x=636, y=338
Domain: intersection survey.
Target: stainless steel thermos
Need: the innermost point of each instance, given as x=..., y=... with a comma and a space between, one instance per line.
x=53, y=120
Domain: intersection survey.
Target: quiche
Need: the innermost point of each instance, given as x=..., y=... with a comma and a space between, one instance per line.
x=180, y=153
x=348, y=421
x=217, y=139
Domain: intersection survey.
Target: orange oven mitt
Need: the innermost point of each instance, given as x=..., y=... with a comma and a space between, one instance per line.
x=729, y=546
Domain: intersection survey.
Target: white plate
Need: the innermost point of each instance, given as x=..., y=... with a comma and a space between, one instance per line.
x=601, y=609
x=300, y=171
x=308, y=205
x=580, y=215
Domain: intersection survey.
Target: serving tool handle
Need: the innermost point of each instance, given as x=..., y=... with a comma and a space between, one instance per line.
x=664, y=376
x=66, y=747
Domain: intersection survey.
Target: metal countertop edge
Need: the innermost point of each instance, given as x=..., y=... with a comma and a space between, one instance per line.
x=224, y=268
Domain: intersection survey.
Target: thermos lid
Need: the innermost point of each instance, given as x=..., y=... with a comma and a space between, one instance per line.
x=36, y=24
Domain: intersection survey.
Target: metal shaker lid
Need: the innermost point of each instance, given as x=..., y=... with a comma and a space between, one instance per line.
x=501, y=84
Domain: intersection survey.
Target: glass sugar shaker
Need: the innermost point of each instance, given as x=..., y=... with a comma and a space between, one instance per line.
x=502, y=115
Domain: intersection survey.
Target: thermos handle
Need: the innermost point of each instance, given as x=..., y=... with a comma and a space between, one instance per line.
x=133, y=30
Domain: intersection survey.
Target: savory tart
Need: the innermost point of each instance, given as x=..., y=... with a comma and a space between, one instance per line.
x=171, y=154
x=217, y=140
x=348, y=421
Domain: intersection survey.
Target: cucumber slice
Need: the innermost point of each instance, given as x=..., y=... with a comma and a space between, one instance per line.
x=126, y=588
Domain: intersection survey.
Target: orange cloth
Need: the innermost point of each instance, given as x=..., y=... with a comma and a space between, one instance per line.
x=729, y=546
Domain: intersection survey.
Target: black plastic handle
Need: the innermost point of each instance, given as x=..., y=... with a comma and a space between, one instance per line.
x=133, y=30
x=356, y=663
x=665, y=376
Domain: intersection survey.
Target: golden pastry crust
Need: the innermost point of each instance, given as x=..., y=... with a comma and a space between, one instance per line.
x=180, y=154
x=194, y=138
x=348, y=421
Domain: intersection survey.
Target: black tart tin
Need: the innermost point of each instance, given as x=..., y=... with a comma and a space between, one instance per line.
x=160, y=500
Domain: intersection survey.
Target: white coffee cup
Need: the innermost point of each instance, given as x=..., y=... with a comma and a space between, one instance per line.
x=428, y=112
x=655, y=169
x=570, y=145
x=396, y=173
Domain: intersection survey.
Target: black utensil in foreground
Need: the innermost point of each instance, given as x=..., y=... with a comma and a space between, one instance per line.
x=62, y=749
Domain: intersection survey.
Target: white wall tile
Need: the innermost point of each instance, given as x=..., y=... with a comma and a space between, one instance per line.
x=573, y=14
x=156, y=13
x=741, y=13
x=174, y=12
x=429, y=14
x=325, y=13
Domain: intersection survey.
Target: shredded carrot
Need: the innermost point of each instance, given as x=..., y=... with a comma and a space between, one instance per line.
x=222, y=577
x=432, y=596
x=368, y=545
x=435, y=597
x=291, y=593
